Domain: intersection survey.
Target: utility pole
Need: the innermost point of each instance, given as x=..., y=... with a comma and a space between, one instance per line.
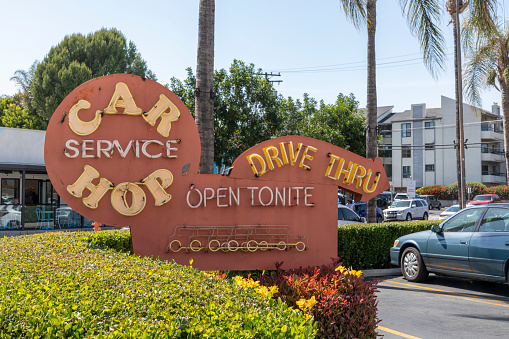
x=459, y=88
x=268, y=76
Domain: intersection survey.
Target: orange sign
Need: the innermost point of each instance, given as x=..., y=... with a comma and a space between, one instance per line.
x=123, y=150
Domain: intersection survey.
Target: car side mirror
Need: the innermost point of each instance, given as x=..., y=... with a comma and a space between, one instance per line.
x=436, y=229
x=363, y=220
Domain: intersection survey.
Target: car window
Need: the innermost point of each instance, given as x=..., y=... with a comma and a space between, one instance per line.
x=418, y=203
x=452, y=209
x=495, y=220
x=464, y=221
x=482, y=198
x=401, y=203
x=350, y=215
x=340, y=214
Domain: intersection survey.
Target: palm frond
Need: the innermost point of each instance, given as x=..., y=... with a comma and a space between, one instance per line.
x=355, y=11
x=481, y=22
x=423, y=17
x=482, y=63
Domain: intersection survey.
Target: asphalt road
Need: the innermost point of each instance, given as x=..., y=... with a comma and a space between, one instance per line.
x=442, y=307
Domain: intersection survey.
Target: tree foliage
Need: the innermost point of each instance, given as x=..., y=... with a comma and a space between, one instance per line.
x=79, y=58
x=247, y=111
x=12, y=114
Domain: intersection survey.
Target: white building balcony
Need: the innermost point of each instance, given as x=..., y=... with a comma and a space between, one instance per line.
x=493, y=178
x=492, y=155
x=491, y=132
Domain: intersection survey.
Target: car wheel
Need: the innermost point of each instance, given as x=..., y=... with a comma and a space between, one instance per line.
x=380, y=219
x=425, y=216
x=409, y=217
x=412, y=266
x=430, y=207
x=439, y=206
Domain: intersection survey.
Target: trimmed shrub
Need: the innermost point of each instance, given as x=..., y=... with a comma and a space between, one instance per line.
x=340, y=302
x=451, y=192
x=368, y=246
x=119, y=241
x=53, y=286
x=502, y=191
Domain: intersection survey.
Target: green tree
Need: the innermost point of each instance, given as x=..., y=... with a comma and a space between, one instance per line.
x=340, y=123
x=204, y=100
x=247, y=111
x=12, y=114
x=79, y=58
x=423, y=17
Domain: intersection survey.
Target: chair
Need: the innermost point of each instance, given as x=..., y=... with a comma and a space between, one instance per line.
x=62, y=218
x=42, y=220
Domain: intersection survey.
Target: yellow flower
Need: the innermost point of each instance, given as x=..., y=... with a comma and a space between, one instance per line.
x=341, y=269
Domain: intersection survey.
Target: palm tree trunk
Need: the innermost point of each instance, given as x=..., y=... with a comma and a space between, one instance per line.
x=204, y=98
x=505, y=113
x=371, y=107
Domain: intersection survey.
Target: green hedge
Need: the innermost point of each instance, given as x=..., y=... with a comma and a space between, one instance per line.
x=55, y=285
x=367, y=246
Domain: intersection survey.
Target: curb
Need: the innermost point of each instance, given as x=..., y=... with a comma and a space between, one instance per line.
x=381, y=272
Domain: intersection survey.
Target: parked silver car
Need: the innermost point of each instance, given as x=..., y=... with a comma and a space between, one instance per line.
x=407, y=210
x=347, y=216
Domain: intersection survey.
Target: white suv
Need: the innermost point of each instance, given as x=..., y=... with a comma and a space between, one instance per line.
x=407, y=210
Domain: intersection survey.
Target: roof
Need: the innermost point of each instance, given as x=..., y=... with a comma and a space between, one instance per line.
x=23, y=148
x=431, y=113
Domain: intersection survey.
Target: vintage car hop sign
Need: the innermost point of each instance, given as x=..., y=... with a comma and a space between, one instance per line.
x=124, y=150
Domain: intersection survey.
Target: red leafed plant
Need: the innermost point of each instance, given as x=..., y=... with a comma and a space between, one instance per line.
x=346, y=305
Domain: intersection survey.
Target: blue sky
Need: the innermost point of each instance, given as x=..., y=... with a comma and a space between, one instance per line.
x=312, y=45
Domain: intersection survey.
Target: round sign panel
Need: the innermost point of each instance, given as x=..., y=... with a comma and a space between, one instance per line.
x=118, y=146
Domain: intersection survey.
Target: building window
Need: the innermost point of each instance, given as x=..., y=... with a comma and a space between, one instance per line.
x=406, y=130
x=406, y=152
x=10, y=190
x=406, y=172
x=385, y=152
x=429, y=124
x=430, y=168
x=430, y=146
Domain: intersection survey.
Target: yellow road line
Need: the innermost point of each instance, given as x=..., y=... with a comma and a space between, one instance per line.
x=454, y=294
x=385, y=329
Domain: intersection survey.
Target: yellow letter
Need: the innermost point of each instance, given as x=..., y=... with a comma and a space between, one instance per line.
x=79, y=126
x=122, y=98
x=333, y=159
x=166, y=118
x=273, y=157
x=359, y=176
x=348, y=179
x=283, y=153
x=119, y=199
x=306, y=156
x=253, y=167
x=375, y=182
x=85, y=181
x=158, y=188
x=294, y=156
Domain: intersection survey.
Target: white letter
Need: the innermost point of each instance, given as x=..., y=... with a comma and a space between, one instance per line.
x=68, y=146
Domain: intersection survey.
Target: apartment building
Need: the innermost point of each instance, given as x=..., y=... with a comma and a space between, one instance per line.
x=419, y=144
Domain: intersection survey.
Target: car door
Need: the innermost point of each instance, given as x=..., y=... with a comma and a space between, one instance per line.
x=448, y=249
x=489, y=246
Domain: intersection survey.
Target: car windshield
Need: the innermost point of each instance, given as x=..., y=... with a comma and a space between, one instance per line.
x=453, y=209
x=482, y=198
x=402, y=203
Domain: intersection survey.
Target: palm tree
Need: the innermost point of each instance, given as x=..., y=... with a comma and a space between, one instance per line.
x=487, y=48
x=204, y=95
x=481, y=12
x=23, y=79
x=423, y=17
